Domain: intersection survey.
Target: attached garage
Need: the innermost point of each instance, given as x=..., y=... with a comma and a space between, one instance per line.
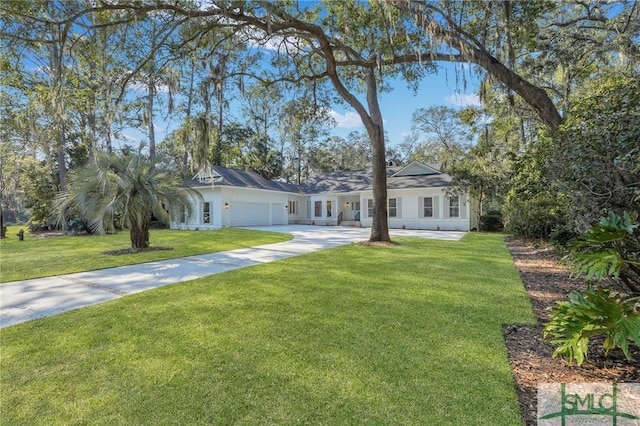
x=248, y=214
x=278, y=213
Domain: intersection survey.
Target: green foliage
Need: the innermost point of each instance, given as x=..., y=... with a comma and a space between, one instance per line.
x=595, y=156
x=130, y=189
x=38, y=189
x=533, y=206
x=591, y=313
x=562, y=236
x=77, y=225
x=612, y=248
x=536, y=217
x=491, y=221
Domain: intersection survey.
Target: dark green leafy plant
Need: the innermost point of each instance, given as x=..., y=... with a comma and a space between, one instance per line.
x=562, y=237
x=612, y=248
x=591, y=313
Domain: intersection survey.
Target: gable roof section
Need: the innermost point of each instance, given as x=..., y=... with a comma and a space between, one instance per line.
x=224, y=176
x=416, y=168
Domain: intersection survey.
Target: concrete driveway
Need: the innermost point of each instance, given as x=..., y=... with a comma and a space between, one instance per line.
x=22, y=301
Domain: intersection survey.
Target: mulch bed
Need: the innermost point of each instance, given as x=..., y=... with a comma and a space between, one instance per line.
x=530, y=357
x=131, y=251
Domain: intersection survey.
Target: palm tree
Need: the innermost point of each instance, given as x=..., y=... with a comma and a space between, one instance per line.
x=129, y=190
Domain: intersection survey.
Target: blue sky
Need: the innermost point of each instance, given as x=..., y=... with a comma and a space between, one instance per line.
x=398, y=106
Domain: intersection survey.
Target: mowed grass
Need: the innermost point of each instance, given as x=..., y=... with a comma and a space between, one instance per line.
x=409, y=334
x=42, y=257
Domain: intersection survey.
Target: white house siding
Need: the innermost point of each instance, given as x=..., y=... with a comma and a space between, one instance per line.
x=324, y=218
x=254, y=207
x=238, y=207
x=408, y=210
x=301, y=213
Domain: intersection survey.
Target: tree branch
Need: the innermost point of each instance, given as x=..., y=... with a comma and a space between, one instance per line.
x=472, y=51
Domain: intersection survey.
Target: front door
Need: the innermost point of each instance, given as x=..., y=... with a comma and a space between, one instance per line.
x=355, y=210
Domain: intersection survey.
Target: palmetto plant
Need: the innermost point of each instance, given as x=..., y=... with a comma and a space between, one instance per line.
x=610, y=249
x=126, y=190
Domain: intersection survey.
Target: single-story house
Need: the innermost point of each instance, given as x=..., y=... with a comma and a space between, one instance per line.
x=416, y=200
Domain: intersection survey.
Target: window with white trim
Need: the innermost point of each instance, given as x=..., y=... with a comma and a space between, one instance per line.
x=317, y=209
x=370, y=207
x=393, y=207
x=454, y=207
x=206, y=212
x=293, y=207
x=427, y=207
x=329, y=209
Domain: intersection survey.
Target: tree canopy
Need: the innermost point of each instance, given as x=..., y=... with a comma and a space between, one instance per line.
x=76, y=75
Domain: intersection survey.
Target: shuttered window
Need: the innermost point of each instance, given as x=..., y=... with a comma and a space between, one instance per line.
x=427, y=207
x=454, y=207
x=393, y=207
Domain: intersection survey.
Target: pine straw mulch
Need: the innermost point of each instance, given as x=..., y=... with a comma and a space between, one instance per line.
x=547, y=282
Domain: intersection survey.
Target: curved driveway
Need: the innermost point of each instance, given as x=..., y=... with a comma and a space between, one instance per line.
x=21, y=301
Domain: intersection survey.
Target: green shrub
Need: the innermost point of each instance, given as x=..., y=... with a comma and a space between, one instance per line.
x=491, y=221
x=562, y=237
x=534, y=218
x=591, y=313
x=77, y=225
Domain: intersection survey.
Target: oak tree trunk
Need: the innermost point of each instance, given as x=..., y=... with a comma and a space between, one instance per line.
x=379, y=224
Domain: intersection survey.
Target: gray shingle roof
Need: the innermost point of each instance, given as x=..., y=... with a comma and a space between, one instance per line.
x=225, y=176
x=335, y=182
x=362, y=180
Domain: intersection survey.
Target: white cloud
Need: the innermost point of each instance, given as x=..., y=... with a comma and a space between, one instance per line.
x=140, y=86
x=463, y=99
x=129, y=137
x=348, y=120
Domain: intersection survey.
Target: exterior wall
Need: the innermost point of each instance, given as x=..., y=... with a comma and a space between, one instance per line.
x=252, y=207
x=408, y=210
x=328, y=210
x=196, y=221
x=473, y=214
x=300, y=213
x=232, y=206
x=350, y=207
x=239, y=199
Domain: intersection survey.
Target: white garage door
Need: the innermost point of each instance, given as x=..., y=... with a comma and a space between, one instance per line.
x=249, y=214
x=277, y=214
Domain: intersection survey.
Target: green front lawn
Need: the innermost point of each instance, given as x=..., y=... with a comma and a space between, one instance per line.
x=409, y=334
x=41, y=257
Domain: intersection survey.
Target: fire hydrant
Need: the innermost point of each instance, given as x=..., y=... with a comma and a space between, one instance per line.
x=20, y=235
